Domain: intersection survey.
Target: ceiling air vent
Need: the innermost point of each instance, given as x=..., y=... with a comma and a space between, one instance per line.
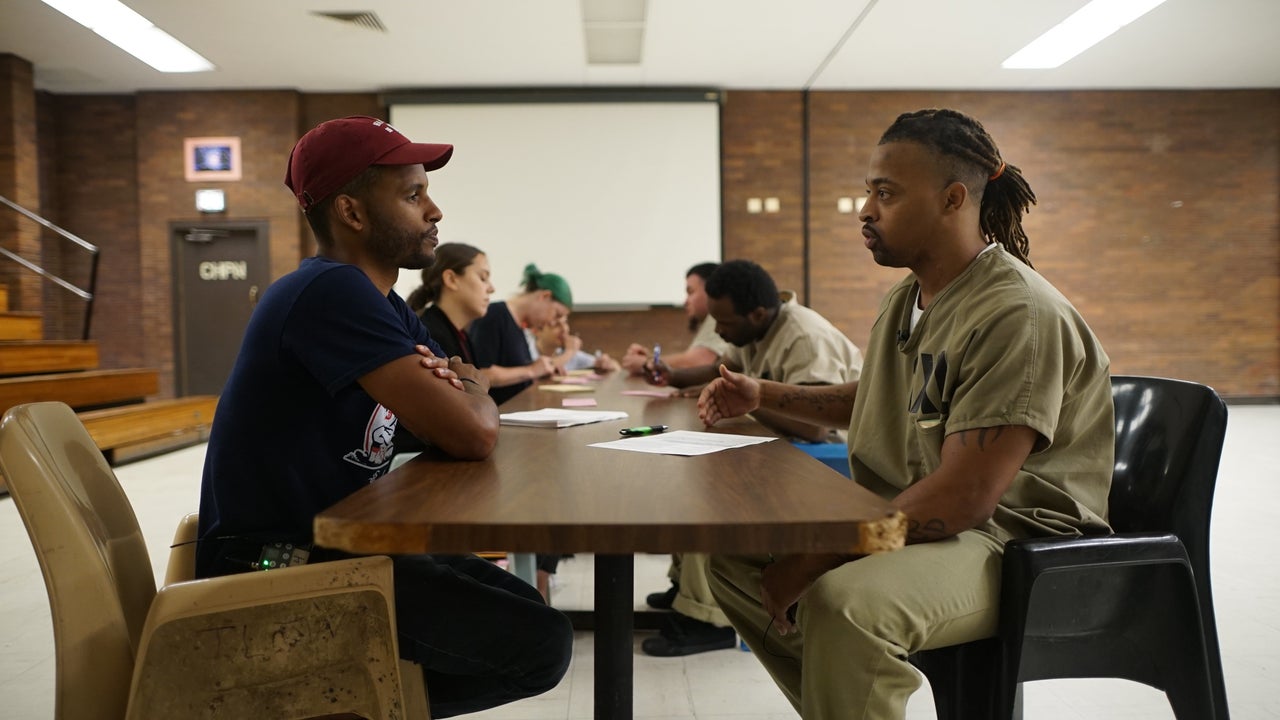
x=365, y=19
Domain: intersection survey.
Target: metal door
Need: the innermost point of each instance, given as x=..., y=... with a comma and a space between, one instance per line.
x=218, y=271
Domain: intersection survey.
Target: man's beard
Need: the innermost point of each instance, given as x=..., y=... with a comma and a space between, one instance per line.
x=398, y=246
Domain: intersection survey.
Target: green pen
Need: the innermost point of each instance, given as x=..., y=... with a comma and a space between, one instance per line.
x=642, y=430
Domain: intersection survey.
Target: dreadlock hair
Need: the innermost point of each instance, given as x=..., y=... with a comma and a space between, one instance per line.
x=973, y=158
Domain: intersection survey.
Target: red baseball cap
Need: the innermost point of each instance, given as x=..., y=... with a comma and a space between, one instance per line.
x=333, y=153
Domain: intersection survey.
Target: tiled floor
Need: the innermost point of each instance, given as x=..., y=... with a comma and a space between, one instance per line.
x=730, y=684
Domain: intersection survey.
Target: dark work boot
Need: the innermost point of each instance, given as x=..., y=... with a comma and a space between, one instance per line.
x=662, y=600
x=683, y=635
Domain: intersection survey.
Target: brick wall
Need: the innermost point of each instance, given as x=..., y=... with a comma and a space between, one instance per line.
x=19, y=180
x=266, y=123
x=762, y=136
x=612, y=332
x=93, y=140
x=63, y=312
x=1159, y=212
x=1158, y=217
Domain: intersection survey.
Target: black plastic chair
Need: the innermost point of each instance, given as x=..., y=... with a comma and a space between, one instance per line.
x=1135, y=605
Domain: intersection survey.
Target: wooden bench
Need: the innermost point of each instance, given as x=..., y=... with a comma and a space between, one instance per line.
x=21, y=326
x=135, y=431
x=132, y=431
x=50, y=356
x=81, y=390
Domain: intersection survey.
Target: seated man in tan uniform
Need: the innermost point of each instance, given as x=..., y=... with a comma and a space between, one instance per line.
x=771, y=337
x=707, y=346
x=985, y=414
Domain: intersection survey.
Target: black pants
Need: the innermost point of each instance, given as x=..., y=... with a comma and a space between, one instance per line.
x=483, y=636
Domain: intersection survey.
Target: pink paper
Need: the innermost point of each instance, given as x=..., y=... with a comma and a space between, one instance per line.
x=574, y=380
x=578, y=402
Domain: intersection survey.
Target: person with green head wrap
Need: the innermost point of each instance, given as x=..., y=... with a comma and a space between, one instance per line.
x=505, y=357
x=535, y=280
x=501, y=349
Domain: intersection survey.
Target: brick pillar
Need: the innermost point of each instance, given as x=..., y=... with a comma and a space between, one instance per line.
x=19, y=181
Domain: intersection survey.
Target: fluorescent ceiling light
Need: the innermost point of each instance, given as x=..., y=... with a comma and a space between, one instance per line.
x=1079, y=32
x=132, y=33
x=614, y=31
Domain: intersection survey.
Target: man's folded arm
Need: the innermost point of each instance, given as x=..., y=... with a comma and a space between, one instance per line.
x=462, y=423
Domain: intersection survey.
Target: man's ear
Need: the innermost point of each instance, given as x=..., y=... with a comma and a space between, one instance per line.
x=350, y=212
x=758, y=316
x=955, y=196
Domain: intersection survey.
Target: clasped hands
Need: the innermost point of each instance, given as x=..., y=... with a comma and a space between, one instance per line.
x=458, y=373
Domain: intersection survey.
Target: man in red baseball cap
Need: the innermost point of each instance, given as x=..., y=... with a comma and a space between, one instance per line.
x=335, y=152
x=331, y=364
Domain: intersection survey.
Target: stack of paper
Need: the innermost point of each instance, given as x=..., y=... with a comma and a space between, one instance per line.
x=558, y=418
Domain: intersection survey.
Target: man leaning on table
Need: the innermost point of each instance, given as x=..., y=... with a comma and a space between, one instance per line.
x=983, y=413
x=770, y=336
x=706, y=346
x=331, y=363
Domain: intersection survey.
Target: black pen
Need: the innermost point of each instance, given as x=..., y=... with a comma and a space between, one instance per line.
x=642, y=430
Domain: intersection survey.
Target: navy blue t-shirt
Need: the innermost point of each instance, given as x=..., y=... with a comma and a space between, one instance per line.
x=496, y=339
x=294, y=432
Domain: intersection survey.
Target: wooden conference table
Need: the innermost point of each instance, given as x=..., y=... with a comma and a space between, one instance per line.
x=545, y=490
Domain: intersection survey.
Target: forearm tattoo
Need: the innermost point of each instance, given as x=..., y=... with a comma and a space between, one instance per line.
x=926, y=531
x=820, y=401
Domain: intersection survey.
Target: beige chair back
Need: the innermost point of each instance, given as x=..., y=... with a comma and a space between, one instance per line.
x=303, y=642
x=182, y=555
x=91, y=551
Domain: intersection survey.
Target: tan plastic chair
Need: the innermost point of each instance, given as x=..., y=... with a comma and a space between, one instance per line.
x=182, y=568
x=311, y=641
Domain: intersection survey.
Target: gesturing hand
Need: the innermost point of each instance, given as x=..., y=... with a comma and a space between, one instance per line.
x=730, y=395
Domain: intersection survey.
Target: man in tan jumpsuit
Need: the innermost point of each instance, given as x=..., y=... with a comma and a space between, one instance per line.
x=771, y=336
x=983, y=413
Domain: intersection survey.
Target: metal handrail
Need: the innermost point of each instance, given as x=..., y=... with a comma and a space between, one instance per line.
x=86, y=295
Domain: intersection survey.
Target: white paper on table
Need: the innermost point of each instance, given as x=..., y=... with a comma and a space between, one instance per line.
x=651, y=393
x=683, y=442
x=558, y=418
